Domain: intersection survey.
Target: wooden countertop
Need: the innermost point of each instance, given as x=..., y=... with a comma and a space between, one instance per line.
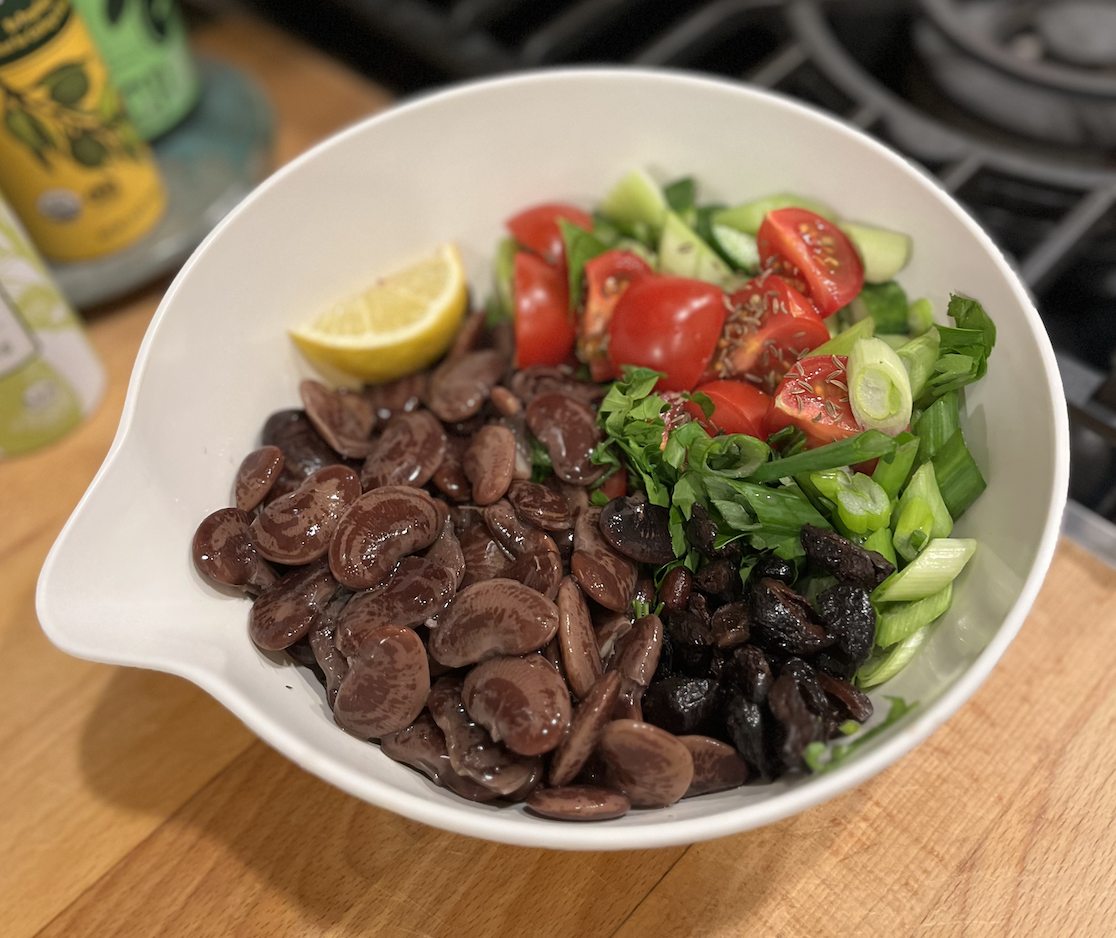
x=135, y=805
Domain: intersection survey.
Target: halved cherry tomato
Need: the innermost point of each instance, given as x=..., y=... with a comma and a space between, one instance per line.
x=814, y=396
x=607, y=276
x=737, y=408
x=537, y=229
x=615, y=485
x=813, y=254
x=769, y=327
x=544, y=334
x=670, y=324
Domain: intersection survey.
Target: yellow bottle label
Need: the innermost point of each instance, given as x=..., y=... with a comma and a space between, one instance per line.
x=71, y=163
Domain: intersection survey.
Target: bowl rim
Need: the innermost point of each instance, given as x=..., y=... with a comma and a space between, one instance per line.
x=510, y=827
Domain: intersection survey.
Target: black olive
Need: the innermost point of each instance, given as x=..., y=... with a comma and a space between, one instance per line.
x=774, y=567
x=731, y=625
x=795, y=726
x=749, y=671
x=806, y=679
x=701, y=532
x=844, y=559
x=718, y=578
x=674, y=591
x=783, y=621
x=848, y=615
x=744, y=727
x=851, y=703
x=638, y=529
x=680, y=705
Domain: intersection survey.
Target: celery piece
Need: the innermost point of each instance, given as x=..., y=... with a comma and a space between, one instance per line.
x=936, y=425
x=892, y=471
x=883, y=667
x=861, y=504
x=879, y=388
x=920, y=317
x=895, y=341
x=684, y=254
x=930, y=572
x=919, y=355
x=634, y=201
x=924, y=485
x=880, y=541
x=750, y=216
x=913, y=525
x=843, y=342
x=896, y=622
x=847, y=452
x=959, y=478
x=886, y=303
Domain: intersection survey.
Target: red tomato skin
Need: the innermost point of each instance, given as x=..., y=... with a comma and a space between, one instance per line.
x=770, y=326
x=607, y=276
x=815, y=398
x=670, y=324
x=615, y=485
x=544, y=334
x=802, y=246
x=737, y=408
x=536, y=228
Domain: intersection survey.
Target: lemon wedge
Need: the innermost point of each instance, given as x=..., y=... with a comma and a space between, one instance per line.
x=399, y=325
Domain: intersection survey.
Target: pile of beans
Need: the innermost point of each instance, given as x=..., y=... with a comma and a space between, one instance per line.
x=479, y=625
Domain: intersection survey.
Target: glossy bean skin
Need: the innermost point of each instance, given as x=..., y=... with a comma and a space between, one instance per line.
x=460, y=386
x=577, y=641
x=674, y=591
x=416, y=590
x=297, y=528
x=538, y=505
x=522, y=702
x=505, y=402
x=637, y=529
x=590, y=718
x=717, y=766
x=400, y=396
x=472, y=751
x=322, y=634
x=609, y=632
x=485, y=559
x=258, y=472
x=512, y=534
x=529, y=383
x=344, y=419
x=637, y=653
x=604, y=575
x=387, y=683
x=408, y=452
x=489, y=463
x=422, y=745
x=469, y=335
x=379, y=528
x=649, y=765
x=579, y=803
x=304, y=450
x=449, y=478
x=286, y=612
x=223, y=552
x=490, y=618
x=568, y=429
x=542, y=571
x=446, y=551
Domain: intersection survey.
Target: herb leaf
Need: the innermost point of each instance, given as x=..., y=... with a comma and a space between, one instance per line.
x=816, y=753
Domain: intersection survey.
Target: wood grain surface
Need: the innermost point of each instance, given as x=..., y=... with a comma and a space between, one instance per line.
x=134, y=805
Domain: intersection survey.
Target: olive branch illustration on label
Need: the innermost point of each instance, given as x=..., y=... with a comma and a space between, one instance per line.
x=50, y=120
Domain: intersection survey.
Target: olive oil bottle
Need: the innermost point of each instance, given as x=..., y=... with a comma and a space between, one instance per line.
x=71, y=162
x=50, y=377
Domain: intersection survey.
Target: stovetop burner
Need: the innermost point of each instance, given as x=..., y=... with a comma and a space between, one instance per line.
x=1035, y=163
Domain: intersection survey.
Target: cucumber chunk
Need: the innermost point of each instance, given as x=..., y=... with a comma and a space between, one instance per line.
x=635, y=200
x=738, y=246
x=883, y=253
x=749, y=216
x=684, y=254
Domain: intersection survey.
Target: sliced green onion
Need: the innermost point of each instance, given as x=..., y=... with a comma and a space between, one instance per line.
x=895, y=341
x=883, y=667
x=913, y=527
x=892, y=471
x=847, y=452
x=920, y=317
x=862, y=505
x=924, y=485
x=930, y=572
x=919, y=356
x=843, y=342
x=936, y=425
x=896, y=622
x=958, y=475
x=879, y=389
x=880, y=542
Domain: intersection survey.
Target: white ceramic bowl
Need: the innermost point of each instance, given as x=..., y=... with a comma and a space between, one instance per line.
x=119, y=585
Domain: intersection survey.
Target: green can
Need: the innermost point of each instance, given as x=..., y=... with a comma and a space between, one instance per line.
x=145, y=46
